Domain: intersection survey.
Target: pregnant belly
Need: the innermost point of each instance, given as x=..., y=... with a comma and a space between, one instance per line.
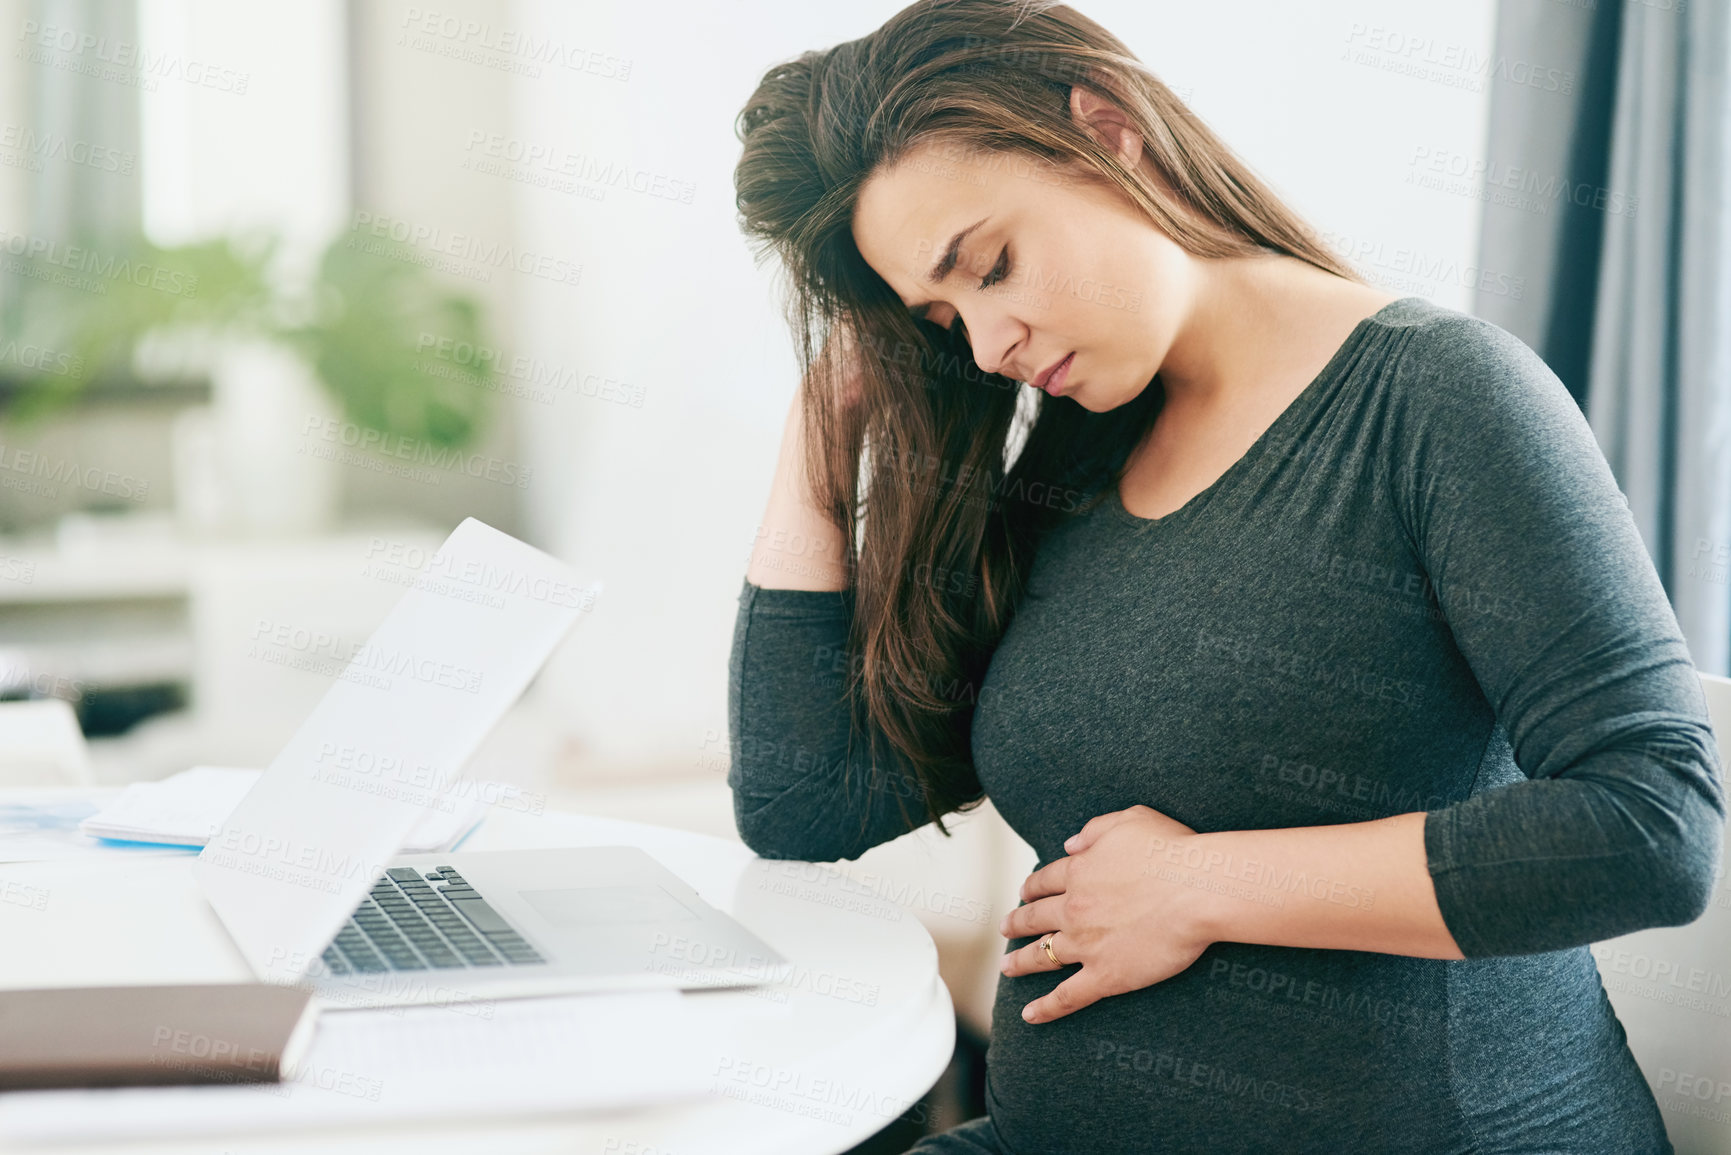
x=1247, y=1043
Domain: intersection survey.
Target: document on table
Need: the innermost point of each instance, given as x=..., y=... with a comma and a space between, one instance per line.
x=185, y=809
x=569, y=1053
x=44, y=827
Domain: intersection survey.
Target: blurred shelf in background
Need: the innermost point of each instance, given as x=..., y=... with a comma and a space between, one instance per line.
x=130, y=620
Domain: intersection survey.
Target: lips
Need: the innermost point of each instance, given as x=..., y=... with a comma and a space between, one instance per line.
x=1046, y=375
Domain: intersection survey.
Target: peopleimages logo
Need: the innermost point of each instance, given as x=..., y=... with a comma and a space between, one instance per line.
x=437, y=570
x=491, y=152
x=41, y=359
x=462, y=246
x=532, y=371
x=108, y=59
x=39, y=146
x=446, y=34
x=1455, y=65
x=1528, y=189
x=385, y=663
x=46, y=472
x=80, y=259
x=353, y=436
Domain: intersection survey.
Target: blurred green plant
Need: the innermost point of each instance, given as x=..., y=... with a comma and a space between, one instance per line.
x=360, y=323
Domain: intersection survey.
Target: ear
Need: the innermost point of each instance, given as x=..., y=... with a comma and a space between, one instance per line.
x=1106, y=123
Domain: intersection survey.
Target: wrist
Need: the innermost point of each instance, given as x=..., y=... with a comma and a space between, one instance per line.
x=1200, y=900
x=1217, y=907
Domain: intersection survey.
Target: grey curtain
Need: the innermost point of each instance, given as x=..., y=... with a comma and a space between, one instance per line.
x=1618, y=189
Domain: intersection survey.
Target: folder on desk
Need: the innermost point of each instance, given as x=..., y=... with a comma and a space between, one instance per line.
x=527, y=1057
x=119, y=1036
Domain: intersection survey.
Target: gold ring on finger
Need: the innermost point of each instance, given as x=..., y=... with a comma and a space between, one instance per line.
x=1046, y=945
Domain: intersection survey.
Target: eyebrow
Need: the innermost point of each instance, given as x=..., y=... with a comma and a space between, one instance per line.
x=947, y=263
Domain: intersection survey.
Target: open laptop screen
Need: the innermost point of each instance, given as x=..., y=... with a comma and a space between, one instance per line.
x=387, y=740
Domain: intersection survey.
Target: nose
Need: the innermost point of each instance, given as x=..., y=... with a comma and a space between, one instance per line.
x=992, y=334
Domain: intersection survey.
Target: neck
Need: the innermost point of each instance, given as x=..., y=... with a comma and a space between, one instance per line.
x=1245, y=315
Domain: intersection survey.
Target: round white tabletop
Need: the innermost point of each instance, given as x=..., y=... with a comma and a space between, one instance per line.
x=813, y=1065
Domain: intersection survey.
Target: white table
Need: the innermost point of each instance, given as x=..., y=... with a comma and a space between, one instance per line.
x=871, y=1028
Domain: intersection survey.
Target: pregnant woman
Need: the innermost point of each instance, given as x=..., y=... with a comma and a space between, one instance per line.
x=1299, y=628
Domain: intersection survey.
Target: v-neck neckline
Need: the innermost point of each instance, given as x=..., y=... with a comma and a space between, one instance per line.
x=1295, y=410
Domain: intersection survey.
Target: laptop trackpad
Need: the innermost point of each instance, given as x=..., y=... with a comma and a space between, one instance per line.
x=572, y=908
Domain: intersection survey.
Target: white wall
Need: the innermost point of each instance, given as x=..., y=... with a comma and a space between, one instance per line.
x=248, y=126
x=662, y=500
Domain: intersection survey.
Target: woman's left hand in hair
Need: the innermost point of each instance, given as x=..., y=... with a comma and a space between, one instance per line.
x=1121, y=909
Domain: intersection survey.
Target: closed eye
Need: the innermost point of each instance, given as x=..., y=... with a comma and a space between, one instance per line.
x=1000, y=272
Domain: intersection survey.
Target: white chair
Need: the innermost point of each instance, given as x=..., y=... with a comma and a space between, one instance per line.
x=1671, y=987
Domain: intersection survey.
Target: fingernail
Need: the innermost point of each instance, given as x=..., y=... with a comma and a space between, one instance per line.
x=1028, y=1013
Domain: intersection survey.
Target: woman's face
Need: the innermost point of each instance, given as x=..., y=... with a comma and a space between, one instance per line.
x=1048, y=265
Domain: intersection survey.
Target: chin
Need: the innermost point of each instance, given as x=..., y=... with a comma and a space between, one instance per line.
x=1093, y=403
x=1122, y=399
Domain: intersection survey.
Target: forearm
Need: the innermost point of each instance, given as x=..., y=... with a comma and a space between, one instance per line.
x=797, y=546
x=1355, y=886
x=798, y=791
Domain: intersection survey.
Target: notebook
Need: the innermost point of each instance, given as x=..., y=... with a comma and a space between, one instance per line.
x=117, y=1036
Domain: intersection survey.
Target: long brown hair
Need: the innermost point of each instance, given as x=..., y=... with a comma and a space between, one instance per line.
x=963, y=471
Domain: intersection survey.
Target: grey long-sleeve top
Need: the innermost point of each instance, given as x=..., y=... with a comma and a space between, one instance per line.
x=1420, y=589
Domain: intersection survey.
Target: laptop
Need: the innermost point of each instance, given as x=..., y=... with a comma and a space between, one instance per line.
x=305, y=873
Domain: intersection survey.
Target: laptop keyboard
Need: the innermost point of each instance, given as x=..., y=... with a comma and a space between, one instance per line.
x=415, y=921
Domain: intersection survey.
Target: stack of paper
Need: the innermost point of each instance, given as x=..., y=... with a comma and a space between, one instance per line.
x=185, y=809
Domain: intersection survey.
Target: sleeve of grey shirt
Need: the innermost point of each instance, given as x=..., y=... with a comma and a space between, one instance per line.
x=798, y=792
x=1553, y=601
